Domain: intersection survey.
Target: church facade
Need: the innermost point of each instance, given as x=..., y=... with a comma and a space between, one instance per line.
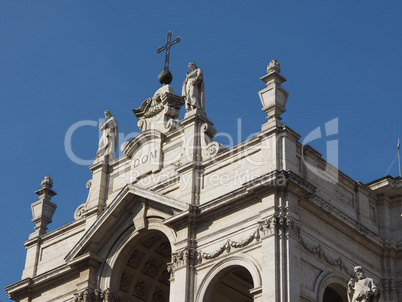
x=179, y=217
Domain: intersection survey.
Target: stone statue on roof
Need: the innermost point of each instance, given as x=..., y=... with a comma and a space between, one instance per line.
x=109, y=139
x=193, y=88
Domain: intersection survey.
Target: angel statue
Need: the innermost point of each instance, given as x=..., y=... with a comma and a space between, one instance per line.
x=193, y=88
x=362, y=288
x=108, y=141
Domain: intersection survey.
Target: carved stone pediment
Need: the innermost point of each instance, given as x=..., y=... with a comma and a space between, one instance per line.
x=129, y=207
x=160, y=111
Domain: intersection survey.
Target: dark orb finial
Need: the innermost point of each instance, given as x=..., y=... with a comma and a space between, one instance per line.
x=165, y=77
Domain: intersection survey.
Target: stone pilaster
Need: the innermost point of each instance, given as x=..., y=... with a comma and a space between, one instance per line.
x=197, y=134
x=182, y=275
x=97, y=192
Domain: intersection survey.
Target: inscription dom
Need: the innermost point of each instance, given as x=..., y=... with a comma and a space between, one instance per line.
x=144, y=158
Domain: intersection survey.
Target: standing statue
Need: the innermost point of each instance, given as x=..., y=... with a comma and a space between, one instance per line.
x=362, y=288
x=108, y=141
x=193, y=88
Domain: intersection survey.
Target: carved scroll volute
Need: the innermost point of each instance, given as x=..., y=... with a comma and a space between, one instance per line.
x=209, y=148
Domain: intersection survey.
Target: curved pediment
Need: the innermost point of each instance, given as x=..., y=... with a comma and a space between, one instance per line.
x=147, y=137
x=132, y=206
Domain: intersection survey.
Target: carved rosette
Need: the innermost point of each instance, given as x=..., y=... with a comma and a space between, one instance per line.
x=89, y=295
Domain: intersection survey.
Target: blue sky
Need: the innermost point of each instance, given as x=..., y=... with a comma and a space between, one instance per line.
x=62, y=62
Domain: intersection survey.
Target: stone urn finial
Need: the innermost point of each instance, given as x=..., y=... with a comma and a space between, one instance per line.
x=273, y=97
x=47, y=183
x=273, y=66
x=43, y=209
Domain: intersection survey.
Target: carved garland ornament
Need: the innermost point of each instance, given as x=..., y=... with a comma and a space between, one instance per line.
x=229, y=244
x=322, y=255
x=282, y=224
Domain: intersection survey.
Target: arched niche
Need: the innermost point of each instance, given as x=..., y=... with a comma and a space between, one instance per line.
x=332, y=287
x=233, y=279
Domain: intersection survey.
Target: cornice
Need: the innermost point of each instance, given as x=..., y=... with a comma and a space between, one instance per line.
x=351, y=223
x=250, y=192
x=24, y=287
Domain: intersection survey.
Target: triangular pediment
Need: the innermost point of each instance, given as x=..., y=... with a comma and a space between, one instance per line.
x=120, y=213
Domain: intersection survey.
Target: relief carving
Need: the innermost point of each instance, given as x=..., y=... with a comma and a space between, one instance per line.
x=158, y=296
x=151, y=268
x=140, y=289
x=164, y=249
x=134, y=259
x=124, y=282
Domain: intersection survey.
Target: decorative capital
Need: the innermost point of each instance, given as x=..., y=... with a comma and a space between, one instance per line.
x=89, y=295
x=281, y=224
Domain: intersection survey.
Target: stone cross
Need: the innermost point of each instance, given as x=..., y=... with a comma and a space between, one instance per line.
x=166, y=47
